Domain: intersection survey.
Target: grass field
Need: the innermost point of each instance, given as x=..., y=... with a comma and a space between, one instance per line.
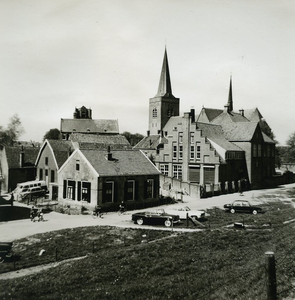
x=218, y=262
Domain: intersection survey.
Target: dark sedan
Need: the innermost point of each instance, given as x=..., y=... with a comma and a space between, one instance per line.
x=154, y=218
x=242, y=206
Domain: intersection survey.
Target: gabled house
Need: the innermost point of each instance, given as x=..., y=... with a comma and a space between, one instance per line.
x=17, y=164
x=91, y=177
x=52, y=155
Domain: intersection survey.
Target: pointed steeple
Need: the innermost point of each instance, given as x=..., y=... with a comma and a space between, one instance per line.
x=230, y=97
x=165, y=89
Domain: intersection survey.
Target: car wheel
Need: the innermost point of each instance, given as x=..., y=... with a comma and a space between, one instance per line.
x=139, y=221
x=168, y=223
x=254, y=212
x=232, y=211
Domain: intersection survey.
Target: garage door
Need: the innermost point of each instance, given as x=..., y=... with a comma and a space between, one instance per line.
x=209, y=174
x=194, y=174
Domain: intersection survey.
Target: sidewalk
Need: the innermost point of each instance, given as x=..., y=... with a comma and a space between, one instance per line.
x=12, y=230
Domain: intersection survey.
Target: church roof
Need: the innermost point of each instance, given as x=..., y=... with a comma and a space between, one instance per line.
x=216, y=134
x=240, y=131
x=89, y=126
x=165, y=88
x=211, y=113
x=93, y=141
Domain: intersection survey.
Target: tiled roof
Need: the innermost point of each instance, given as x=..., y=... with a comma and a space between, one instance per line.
x=124, y=162
x=61, y=150
x=240, y=131
x=89, y=126
x=212, y=113
x=216, y=134
x=13, y=156
x=267, y=139
x=253, y=115
x=93, y=141
x=149, y=142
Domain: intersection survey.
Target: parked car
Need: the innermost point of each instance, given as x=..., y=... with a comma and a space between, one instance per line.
x=183, y=211
x=242, y=206
x=5, y=250
x=33, y=191
x=154, y=218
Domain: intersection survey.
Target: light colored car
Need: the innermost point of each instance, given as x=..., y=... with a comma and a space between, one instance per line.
x=184, y=210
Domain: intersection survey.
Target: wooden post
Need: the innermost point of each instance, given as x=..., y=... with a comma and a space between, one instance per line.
x=271, y=276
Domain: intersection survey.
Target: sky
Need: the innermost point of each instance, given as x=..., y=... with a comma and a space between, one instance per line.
x=107, y=55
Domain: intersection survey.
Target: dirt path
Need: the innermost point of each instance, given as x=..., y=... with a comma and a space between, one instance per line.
x=36, y=269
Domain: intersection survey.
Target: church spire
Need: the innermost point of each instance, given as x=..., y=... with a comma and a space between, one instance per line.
x=165, y=89
x=230, y=97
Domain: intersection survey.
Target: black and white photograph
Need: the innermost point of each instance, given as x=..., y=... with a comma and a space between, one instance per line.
x=147, y=149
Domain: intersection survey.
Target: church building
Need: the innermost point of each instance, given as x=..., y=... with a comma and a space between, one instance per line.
x=217, y=151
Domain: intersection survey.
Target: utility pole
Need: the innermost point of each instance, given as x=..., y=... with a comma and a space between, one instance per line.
x=271, y=283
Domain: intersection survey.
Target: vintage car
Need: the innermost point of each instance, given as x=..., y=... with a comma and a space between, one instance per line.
x=5, y=250
x=184, y=211
x=242, y=206
x=154, y=218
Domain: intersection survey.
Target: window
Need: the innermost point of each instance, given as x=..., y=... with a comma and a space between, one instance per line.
x=46, y=161
x=180, y=151
x=192, y=152
x=52, y=176
x=254, y=150
x=77, y=165
x=71, y=189
x=192, y=138
x=150, y=188
x=268, y=150
x=41, y=174
x=130, y=190
x=174, y=151
x=86, y=191
x=155, y=113
x=109, y=191
x=177, y=171
x=180, y=137
x=198, y=151
x=165, y=169
x=259, y=150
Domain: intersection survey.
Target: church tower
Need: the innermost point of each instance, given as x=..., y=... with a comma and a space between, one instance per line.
x=164, y=105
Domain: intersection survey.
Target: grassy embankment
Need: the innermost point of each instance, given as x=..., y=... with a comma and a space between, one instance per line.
x=219, y=262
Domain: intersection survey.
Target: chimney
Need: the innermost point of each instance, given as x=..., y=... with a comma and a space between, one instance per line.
x=241, y=112
x=226, y=108
x=109, y=154
x=148, y=133
x=22, y=157
x=193, y=117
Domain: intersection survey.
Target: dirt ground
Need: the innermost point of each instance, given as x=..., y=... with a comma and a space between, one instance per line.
x=12, y=230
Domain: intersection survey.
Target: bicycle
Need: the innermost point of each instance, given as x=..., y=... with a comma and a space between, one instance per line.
x=122, y=211
x=97, y=214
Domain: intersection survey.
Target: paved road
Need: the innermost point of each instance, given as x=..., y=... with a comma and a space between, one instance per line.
x=12, y=230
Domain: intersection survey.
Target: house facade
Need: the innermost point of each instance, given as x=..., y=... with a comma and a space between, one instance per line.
x=90, y=177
